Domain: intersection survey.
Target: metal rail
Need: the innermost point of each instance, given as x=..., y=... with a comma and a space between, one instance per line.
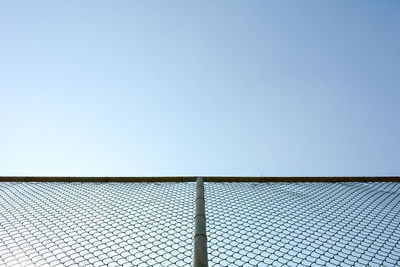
x=214, y=179
x=200, y=258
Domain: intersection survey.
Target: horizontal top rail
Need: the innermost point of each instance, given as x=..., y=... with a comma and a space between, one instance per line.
x=242, y=179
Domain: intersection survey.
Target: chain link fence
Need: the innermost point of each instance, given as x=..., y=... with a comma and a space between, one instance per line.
x=151, y=224
x=94, y=224
x=306, y=224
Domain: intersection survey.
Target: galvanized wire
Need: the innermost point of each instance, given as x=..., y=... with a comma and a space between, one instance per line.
x=94, y=224
x=306, y=224
x=151, y=224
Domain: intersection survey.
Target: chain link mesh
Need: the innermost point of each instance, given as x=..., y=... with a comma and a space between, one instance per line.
x=307, y=224
x=151, y=224
x=109, y=224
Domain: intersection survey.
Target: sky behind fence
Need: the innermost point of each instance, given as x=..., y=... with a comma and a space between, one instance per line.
x=199, y=88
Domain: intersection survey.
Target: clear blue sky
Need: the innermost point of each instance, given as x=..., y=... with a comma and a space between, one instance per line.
x=199, y=88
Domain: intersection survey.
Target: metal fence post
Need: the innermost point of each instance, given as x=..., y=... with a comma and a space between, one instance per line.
x=200, y=258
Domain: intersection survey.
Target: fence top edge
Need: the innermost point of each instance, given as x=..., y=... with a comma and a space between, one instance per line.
x=216, y=179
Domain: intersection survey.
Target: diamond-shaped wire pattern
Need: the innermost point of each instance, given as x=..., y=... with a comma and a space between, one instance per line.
x=248, y=224
x=306, y=224
x=96, y=224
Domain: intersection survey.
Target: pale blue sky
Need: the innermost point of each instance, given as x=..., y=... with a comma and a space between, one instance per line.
x=199, y=88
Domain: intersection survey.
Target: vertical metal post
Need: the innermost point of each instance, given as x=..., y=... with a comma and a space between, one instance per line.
x=200, y=258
